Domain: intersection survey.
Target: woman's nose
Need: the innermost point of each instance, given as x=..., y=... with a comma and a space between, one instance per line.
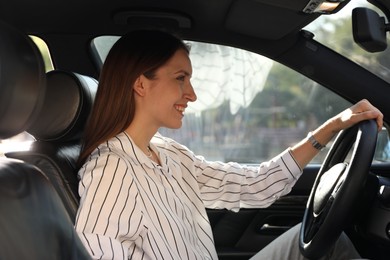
x=190, y=93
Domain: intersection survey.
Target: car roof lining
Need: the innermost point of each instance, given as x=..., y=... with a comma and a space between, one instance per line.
x=92, y=16
x=289, y=22
x=69, y=30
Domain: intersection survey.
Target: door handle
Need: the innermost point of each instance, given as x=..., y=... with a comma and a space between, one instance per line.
x=277, y=224
x=274, y=228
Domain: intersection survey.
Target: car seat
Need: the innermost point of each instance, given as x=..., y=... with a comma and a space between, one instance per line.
x=33, y=221
x=58, y=129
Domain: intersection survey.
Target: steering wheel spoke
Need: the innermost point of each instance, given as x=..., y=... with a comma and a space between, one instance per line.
x=337, y=189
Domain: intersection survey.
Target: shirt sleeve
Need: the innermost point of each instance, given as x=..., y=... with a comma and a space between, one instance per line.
x=234, y=186
x=108, y=201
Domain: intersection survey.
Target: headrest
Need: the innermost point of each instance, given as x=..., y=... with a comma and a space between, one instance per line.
x=22, y=81
x=68, y=102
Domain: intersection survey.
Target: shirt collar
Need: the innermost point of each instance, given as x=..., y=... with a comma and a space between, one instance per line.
x=124, y=142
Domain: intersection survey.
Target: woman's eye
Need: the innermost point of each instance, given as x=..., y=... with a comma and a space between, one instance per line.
x=181, y=78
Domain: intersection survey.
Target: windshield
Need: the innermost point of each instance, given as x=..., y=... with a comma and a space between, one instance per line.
x=335, y=32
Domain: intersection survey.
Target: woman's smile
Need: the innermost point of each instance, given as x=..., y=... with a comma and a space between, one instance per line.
x=180, y=108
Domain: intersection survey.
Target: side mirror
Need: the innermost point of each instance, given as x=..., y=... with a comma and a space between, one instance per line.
x=369, y=29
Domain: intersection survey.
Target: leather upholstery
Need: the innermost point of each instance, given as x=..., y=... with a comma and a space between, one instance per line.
x=33, y=220
x=68, y=101
x=22, y=81
x=58, y=128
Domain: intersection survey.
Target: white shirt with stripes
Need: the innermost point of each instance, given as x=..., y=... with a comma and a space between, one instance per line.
x=133, y=208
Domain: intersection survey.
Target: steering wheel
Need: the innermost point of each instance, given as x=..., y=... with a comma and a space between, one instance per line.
x=337, y=189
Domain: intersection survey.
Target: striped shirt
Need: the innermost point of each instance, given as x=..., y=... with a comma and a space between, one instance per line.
x=133, y=208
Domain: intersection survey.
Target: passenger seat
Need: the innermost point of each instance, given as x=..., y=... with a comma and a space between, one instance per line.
x=58, y=130
x=33, y=221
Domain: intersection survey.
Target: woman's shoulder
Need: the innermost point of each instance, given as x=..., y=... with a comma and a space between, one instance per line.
x=173, y=148
x=167, y=143
x=115, y=147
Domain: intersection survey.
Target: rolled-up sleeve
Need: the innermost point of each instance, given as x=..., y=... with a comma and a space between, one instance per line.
x=234, y=186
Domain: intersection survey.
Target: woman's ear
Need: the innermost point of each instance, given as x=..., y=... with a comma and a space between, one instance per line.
x=139, y=86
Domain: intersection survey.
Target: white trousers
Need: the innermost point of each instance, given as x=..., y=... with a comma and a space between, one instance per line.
x=286, y=247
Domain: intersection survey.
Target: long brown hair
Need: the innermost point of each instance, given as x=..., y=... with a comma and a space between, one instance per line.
x=137, y=53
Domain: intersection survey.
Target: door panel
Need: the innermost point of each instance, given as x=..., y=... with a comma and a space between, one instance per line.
x=240, y=235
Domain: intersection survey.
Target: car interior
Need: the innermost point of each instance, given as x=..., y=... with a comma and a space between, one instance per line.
x=26, y=192
x=50, y=101
x=57, y=131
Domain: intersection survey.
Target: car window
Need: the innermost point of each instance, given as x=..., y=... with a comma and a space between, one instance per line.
x=23, y=140
x=249, y=107
x=335, y=31
x=42, y=46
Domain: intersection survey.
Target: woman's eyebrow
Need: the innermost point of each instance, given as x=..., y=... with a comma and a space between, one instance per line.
x=183, y=71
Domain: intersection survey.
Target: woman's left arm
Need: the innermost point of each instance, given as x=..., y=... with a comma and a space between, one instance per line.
x=305, y=150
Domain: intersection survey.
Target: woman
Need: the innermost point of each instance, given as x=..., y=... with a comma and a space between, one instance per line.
x=143, y=196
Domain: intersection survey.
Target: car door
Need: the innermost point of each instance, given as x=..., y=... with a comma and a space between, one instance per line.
x=240, y=235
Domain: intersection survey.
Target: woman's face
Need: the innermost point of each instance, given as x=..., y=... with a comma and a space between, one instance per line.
x=170, y=91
